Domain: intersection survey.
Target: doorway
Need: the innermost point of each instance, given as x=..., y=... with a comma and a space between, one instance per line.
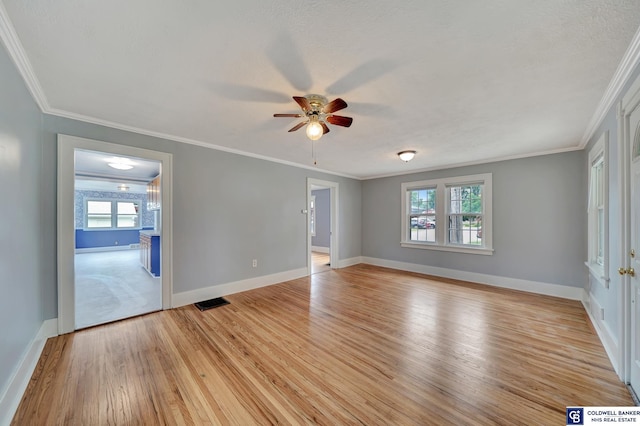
x=322, y=227
x=123, y=211
x=113, y=213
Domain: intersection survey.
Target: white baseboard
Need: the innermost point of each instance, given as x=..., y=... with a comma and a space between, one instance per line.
x=107, y=249
x=608, y=339
x=18, y=384
x=557, y=290
x=349, y=262
x=193, y=296
x=320, y=249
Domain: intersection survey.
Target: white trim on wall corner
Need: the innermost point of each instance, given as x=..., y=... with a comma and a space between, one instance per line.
x=556, y=290
x=206, y=293
x=320, y=249
x=18, y=383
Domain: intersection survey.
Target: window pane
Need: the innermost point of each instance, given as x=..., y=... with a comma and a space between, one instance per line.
x=98, y=214
x=422, y=219
x=465, y=215
x=465, y=199
x=598, y=170
x=127, y=214
x=600, y=233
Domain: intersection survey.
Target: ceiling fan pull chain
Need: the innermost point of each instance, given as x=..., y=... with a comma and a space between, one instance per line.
x=313, y=154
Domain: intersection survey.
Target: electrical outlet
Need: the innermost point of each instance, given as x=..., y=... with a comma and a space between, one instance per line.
x=255, y=263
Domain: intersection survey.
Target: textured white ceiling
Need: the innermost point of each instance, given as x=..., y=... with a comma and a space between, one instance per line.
x=459, y=82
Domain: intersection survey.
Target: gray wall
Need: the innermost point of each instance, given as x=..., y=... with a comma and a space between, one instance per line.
x=228, y=209
x=539, y=220
x=21, y=258
x=323, y=218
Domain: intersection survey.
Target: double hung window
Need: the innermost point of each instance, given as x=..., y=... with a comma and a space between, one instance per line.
x=451, y=214
x=112, y=214
x=597, y=212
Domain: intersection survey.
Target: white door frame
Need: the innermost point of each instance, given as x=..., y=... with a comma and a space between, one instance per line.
x=629, y=102
x=334, y=196
x=66, y=220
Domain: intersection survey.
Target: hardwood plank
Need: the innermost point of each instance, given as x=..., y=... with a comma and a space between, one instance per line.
x=359, y=345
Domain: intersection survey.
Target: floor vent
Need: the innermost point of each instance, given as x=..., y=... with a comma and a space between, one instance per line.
x=211, y=303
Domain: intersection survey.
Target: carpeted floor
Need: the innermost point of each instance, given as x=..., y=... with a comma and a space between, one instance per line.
x=112, y=286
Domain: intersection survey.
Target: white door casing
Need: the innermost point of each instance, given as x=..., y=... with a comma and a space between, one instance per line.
x=629, y=292
x=66, y=222
x=634, y=251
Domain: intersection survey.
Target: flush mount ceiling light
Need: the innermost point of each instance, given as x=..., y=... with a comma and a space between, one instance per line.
x=406, y=156
x=120, y=163
x=123, y=187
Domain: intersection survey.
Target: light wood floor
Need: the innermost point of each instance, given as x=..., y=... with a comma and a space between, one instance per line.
x=359, y=345
x=319, y=262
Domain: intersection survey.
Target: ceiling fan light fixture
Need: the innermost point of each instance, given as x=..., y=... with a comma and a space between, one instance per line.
x=314, y=130
x=406, y=156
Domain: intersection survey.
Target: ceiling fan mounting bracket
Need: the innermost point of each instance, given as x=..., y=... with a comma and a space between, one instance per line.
x=316, y=102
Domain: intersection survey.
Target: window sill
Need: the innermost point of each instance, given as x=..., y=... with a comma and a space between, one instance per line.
x=597, y=272
x=456, y=249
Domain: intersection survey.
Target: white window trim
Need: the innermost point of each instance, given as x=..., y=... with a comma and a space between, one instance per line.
x=599, y=272
x=441, y=214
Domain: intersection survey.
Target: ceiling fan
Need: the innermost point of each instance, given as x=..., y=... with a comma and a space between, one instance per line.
x=317, y=110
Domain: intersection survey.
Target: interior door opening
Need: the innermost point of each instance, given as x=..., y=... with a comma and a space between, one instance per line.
x=103, y=216
x=116, y=216
x=322, y=225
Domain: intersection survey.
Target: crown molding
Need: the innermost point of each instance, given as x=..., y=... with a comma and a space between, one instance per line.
x=166, y=136
x=620, y=78
x=12, y=43
x=475, y=162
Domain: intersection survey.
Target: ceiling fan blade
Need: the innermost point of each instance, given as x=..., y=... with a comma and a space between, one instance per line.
x=288, y=115
x=303, y=102
x=333, y=106
x=339, y=120
x=297, y=126
x=325, y=128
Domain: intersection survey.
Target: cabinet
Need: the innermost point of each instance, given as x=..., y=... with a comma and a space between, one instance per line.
x=150, y=253
x=153, y=194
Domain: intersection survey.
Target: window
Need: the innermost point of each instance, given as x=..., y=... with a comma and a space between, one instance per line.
x=465, y=214
x=312, y=215
x=452, y=214
x=597, y=211
x=98, y=214
x=422, y=216
x=112, y=214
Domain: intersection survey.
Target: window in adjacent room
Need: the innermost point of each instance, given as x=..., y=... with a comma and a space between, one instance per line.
x=451, y=214
x=312, y=215
x=112, y=214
